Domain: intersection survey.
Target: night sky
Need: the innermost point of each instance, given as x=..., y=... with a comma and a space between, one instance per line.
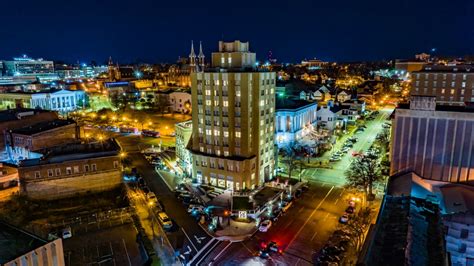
x=160, y=31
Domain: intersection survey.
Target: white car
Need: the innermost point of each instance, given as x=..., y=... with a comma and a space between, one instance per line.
x=193, y=207
x=67, y=233
x=265, y=225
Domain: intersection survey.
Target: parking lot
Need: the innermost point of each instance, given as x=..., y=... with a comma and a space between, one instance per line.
x=112, y=246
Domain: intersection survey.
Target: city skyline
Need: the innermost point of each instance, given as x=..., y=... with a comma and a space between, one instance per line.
x=153, y=33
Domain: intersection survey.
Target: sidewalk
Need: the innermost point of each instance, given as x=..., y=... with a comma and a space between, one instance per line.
x=153, y=230
x=236, y=231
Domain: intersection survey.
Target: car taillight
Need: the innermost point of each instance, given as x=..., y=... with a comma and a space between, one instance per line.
x=263, y=245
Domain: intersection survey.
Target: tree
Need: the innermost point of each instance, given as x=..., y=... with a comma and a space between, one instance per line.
x=291, y=159
x=363, y=172
x=358, y=226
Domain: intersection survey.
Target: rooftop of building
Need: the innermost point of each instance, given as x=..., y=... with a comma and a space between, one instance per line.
x=76, y=151
x=185, y=124
x=468, y=108
x=42, y=127
x=283, y=104
x=18, y=113
x=408, y=231
x=31, y=92
x=265, y=195
x=15, y=242
x=447, y=69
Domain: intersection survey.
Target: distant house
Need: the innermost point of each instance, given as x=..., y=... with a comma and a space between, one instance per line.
x=303, y=95
x=343, y=96
x=327, y=117
x=358, y=105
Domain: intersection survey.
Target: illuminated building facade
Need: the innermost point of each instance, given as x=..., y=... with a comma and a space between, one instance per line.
x=434, y=141
x=28, y=67
x=294, y=120
x=451, y=85
x=233, y=120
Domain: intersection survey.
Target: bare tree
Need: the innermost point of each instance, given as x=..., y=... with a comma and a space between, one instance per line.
x=358, y=226
x=291, y=159
x=363, y=172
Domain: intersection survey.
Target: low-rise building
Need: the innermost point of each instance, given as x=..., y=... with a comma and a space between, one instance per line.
x=62, y=101
x=294, y=119
x=184, y=131
x=73, y=169
x=18, y=247
x=19, y=118
x=9, y=182
x=180, y=102
x=343, y=96
x=451, y=85
x=28, y=142
x=327, y=117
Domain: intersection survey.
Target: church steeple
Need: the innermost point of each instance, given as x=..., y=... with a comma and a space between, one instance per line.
x=192, y=58
x=201, y=57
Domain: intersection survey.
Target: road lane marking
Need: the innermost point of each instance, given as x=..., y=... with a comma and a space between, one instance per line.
x=126, y=252
x=220, y=253
x=336, y=201
x=288, y=225
x=301, y=209
x=325, y=218
x=202, y=250
x=309, y=217
x=245, y=246
x=342, y=192
x=207, y=253
x=315, y=233
x=189, y=239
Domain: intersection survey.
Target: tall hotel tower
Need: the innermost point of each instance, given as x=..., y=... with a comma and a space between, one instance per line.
x=233, y=120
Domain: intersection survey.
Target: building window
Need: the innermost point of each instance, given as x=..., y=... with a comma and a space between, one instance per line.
x=86, y=168
x=68, y=170
x=76, y=169
x=94, y=167
x=58, y=172
x=50, y=172
x=237, y=134
x=116, y=164
x=37, y=174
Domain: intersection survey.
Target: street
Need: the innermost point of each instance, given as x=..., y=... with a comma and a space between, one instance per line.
x=189, y=238
x=335, y=176
x=300, y=232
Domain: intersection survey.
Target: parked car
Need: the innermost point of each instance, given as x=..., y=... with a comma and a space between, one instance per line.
x=193, y=207
x=344, y=218
x=286, y=205
x=350, y=209
x=66, y=233
x=151, y=133
x=165, y=220
x=265, y=225
x=151, y=197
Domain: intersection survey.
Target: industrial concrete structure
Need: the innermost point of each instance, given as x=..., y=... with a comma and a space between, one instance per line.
x=233, y=120
x=71, y=170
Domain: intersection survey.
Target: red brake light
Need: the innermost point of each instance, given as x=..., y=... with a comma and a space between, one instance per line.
x=263, y=245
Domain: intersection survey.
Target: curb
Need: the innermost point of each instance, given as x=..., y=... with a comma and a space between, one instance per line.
x=164, y=180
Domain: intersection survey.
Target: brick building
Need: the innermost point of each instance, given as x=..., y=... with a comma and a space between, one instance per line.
x=451, y=85
x=28, y=142
x=18, y=118
x=72, y=169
